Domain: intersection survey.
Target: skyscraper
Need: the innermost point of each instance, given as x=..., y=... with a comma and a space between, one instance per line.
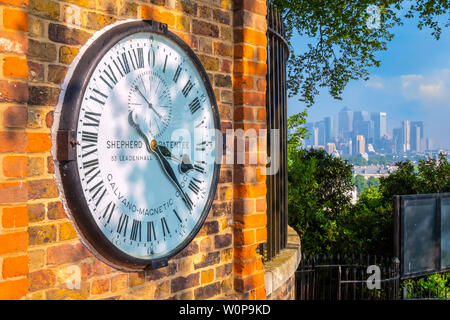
x=345, y=123
x=416, y=132
x=329, y=129
x=406, y=135
x=397, y=140
x=379, y=126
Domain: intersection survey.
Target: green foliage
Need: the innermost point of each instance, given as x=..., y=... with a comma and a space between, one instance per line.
x=360, y=183
x=433, y=286
x=339, y=46
x=319, y=190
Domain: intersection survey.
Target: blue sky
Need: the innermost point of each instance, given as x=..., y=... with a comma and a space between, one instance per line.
x=412, y=83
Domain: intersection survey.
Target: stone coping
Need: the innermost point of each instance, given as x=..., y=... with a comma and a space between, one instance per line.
x=283, y=266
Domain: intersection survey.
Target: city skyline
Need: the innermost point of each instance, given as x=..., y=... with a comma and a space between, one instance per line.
x=412, y=83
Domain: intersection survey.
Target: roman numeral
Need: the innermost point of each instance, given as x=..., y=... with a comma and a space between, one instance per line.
x=117, y=67
x=194, y=187
x=164, y=226
x=136, y=230
x=123, y=224
x=90, y=163
x=93, y=117
x=151, y=58
x=150, y=231
x=199, y=168
x=108, y=211
x=165, y=64
x=87, y=136
x=125, y=65
x=187, y=88
x=97, y=189
x=96, y=97
x=201, y=146
x=91, y=138
x=194, y=105
x=177, y=74
x=140, y=58
x=176, y=213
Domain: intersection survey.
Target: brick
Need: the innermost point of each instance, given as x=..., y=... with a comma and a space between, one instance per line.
x=252, y=220
x=255, y=6
x=16, y=3
x=15, y=19
x=204, y=12
x=188, y=7
x=119, y=282
x=13, y=42
x=13, y=91
x=226, y=65
x=64, y=293
x=250, y=67
x=67, y=54
x=41, y=279
x=244, y=268
x=190, y=250
x=36, y=212
x=13, y=289
x=251, y=282
x=35, y=71
x=244, y=253
x=225, y=193
x=15, y=166
x=100, y=286
x=208, y=291
x=260, y=293
x=13, y=141
x=205, y=28
x=66, y=253
x=226, y=33
x=157, y=14
x=16, y=217
x=15, y=117
x=183, y=23
x=50, y=166
x=250, y=98
x=15, y=267
x=207, y=276
x=162, y=291
x=223, y=241
x=66, y=231
x=226, y=175
x=224, y=270
x=208, y=260
x=98, y=21
x=44, y=188
x=43, y=96
x=129, y=10
x=243, y=82
x=243, y=237
x=250, y=191
x=221, y=209
x=42, y=51
x=244, y=113
x=56, y=74
x=55, y=211
x=42, y=234
x=182, y=283
x=44, y=8
x=36, y=259
x=244, y=51
x=222, y=16
x=11, y=192
x=261, y=205
x=209, y=63
x=15, y=67
x=244, y=206
x=222, y=81
x=209, y=227
x=35, y=166
x=162, y=272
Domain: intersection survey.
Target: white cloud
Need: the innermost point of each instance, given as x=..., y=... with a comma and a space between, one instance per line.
x=431, y=90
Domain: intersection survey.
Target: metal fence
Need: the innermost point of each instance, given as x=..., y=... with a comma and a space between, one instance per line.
x=347, y=278
x=276, y=107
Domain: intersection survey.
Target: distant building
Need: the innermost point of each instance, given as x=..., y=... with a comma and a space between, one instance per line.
x=406, y=135
x=345, y=123
x=417, y=136
x=329, y=129
x=360, y=145
x=379, y=126
x=331, y=147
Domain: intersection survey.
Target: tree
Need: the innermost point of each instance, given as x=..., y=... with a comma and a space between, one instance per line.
x=360, y=183
x=340, y=45
x=319, y=190
x=373, y=182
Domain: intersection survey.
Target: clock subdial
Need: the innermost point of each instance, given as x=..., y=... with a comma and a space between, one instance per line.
x=150, y=104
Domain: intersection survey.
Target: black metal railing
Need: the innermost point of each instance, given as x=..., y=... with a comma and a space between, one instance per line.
x=347, y=278
x=276, y=109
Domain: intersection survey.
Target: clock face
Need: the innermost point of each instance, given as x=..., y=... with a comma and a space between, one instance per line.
x=145, y=153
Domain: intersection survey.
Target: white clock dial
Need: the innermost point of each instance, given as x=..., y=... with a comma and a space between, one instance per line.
x=146, y=148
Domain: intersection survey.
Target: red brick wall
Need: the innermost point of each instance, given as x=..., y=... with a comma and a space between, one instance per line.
x=38, y=245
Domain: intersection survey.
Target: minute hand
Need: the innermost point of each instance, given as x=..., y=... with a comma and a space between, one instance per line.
x=169, y=172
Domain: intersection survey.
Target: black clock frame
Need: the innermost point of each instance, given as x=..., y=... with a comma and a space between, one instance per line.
x=65, y=152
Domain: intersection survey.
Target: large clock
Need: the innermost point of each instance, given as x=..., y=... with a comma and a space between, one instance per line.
x=134, y=145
